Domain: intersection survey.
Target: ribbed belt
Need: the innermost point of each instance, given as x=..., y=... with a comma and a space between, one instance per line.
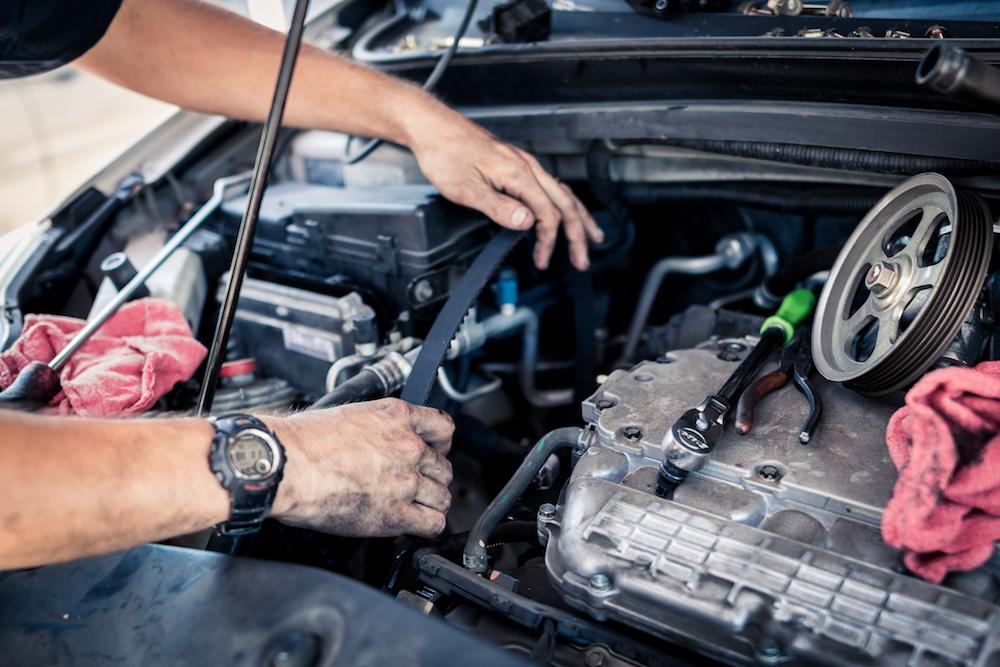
x=424, y=373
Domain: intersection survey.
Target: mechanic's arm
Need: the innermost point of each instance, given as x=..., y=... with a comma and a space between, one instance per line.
x=207, y=59
x=77, y=487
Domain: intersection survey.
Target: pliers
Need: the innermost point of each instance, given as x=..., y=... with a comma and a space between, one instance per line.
x=796, y=365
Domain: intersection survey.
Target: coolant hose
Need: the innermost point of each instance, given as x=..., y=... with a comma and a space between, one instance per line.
x=474, y=557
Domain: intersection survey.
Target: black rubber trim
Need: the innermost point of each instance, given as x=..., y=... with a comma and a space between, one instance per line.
x=463, y=297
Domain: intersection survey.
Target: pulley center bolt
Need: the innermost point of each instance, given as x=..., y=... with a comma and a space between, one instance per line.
x=881, y=278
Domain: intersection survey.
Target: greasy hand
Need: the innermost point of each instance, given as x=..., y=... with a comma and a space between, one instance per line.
x=471, y=167
x=372, y=469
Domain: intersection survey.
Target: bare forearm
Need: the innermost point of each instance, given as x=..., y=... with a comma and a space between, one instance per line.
x=74, y=488
x=71, y=488
x=207, y=59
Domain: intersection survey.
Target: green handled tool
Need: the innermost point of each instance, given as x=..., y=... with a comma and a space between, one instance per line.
x=694, y=435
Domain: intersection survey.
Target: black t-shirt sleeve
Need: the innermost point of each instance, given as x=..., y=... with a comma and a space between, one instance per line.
x=40, y=35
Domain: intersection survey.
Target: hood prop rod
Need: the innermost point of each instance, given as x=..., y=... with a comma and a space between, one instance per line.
x=258, y=182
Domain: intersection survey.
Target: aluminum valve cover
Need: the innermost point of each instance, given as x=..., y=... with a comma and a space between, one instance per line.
x=772, y=551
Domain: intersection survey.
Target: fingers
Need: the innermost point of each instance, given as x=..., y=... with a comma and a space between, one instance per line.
x=435, y=466
x=575, y=220
x=434, y=426
x=421, y=520
x=594, y=231
x=433, y=495
x=518, y=178
x=503, y=210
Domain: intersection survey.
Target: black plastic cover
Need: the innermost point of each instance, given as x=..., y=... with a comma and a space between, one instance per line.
x=383, y=238
x=156, y=605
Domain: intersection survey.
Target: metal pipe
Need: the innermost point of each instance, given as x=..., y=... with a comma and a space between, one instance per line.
x=730, y=253
x=341, y=366
x=952, y=71
x=220, y=192
x=526, y=320
x=244, y=239
x=474, y=557
x=465, y=396
x=377, y=380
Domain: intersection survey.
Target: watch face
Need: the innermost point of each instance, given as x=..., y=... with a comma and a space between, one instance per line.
x=251, y=456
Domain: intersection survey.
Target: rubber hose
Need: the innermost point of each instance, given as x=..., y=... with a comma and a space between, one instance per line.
x=799, y=268
x=474, y=557
x=953, y=72
x=365, y=386
x=837, y=158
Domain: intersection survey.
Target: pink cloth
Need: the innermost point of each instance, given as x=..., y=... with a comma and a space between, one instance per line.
x=136, y=357
x=945, y=508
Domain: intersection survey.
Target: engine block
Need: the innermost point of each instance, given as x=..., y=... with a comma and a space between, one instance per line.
x=772, y=550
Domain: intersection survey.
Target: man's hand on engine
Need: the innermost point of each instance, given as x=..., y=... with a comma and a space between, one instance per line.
x=369, y=469
x=471, y=167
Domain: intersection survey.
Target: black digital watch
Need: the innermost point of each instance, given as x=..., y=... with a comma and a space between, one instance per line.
x=248, y=460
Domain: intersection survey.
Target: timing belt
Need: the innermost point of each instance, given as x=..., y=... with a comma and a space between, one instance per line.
x=423, y=375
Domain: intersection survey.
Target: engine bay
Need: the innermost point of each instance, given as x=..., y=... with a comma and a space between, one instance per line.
x=768, y=548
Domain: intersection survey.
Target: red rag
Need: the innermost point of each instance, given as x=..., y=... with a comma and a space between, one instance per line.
x=945, y=508
x=136, y=357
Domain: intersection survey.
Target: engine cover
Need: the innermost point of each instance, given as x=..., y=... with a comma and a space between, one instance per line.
x=772, y=550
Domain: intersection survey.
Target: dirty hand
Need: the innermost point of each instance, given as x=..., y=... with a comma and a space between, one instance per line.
x=374, y=469
x=473, y=168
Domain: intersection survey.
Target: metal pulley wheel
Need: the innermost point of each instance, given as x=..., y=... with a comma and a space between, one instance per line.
x=902, y=286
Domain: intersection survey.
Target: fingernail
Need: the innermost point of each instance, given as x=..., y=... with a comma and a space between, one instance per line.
x=599, y=236
x=520, y=217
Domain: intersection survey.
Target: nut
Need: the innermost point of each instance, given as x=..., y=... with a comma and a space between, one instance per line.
x=881, y=278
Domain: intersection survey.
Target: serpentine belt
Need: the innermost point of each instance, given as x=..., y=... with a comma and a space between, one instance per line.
x=423, y=375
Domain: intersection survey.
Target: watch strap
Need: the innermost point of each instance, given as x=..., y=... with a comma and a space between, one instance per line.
x=250, y=500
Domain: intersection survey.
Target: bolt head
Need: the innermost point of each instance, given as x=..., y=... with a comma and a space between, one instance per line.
x=600, y=582
x=423, y=291
x=660, y=5
x=769, y=472
x=595, y=658
x=768, y=648
x=547, y=511
x=632, y=433
x=789, y=7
